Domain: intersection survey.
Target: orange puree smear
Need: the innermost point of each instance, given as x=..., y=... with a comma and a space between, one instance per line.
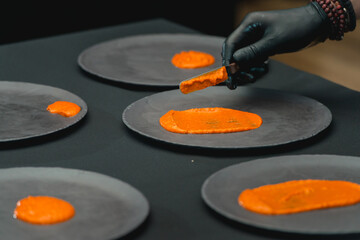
x=209, y=120
x=192, y=59
x=299, y=196
x=66, y=109
x=203, y=81
x=43, y=210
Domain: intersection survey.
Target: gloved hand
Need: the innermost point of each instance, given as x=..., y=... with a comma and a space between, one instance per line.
x=263, y=34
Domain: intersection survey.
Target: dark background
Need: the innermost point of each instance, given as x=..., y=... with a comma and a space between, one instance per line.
x=23, y=21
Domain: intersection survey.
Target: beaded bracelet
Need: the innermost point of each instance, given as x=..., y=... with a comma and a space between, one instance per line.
x=341, y=16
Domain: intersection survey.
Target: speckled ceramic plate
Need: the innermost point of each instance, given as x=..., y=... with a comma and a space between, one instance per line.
x=286, y=117
x=146, y=59
x=106, y=208
x=23, y=111
x=221, y=190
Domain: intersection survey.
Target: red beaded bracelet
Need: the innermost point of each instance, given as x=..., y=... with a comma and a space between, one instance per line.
x=338, y=16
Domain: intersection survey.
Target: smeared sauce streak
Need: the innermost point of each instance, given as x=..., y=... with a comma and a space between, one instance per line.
x=192, y=59
x=64, y=108
x=209, y=120
x=299, y=196
x=43, y=210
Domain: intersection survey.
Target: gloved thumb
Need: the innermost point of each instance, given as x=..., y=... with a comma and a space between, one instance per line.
x=253, y=54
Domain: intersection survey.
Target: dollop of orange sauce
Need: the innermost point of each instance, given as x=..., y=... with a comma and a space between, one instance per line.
x=203, y=81
x=192, y=59
x=64, y=108
x=209, y=120
x=299, y=196
x=43, y=210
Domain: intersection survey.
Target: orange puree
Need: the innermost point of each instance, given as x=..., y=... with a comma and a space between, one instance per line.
x=66, y=109
x=209, y=120
x=43, y=210
x=192, y=59
x=203, y=81
x=299, y=196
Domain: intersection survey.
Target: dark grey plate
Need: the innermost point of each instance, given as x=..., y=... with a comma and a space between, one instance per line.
x=220, y=192
x=286, y=117
x=106, y=208
x=146, y=59
x=23, y=111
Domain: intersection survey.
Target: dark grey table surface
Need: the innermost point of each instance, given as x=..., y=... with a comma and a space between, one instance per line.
x=169, y=176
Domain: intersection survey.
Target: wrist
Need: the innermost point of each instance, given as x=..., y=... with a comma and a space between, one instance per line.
x=350, y=12
x=356, y=6
x=339, y=14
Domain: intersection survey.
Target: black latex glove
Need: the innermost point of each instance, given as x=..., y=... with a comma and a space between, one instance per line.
x=263, y=34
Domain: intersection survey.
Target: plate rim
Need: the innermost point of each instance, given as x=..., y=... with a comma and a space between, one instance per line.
x=135, y=36
x=270, y=227
x=100, y=176
x=144, y=99
x=83, y=112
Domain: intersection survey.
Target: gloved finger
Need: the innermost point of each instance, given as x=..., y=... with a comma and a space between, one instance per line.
x=254, y=54
x=239, y=78
x=231, y=69
x=245, y=77
x=248, y=32
x=260, y=70
x=231, y=83
x=227, y=53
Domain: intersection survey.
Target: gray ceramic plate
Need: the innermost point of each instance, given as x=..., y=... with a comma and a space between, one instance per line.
x=106, y=208
x=23, y=111
x=286, y=117
x=146, y=59
x=220, y=192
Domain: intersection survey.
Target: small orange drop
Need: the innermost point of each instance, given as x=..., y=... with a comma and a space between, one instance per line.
x=66, y=109
x=192, y=59
x=43, y=210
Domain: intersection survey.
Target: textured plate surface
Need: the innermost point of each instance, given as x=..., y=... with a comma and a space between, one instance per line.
x=220, y=192
x=23, y=111
x=106, y=208
x=146, y=59
x=286, y=117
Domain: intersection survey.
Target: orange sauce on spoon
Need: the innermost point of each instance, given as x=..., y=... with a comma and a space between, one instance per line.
x=203, y=81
